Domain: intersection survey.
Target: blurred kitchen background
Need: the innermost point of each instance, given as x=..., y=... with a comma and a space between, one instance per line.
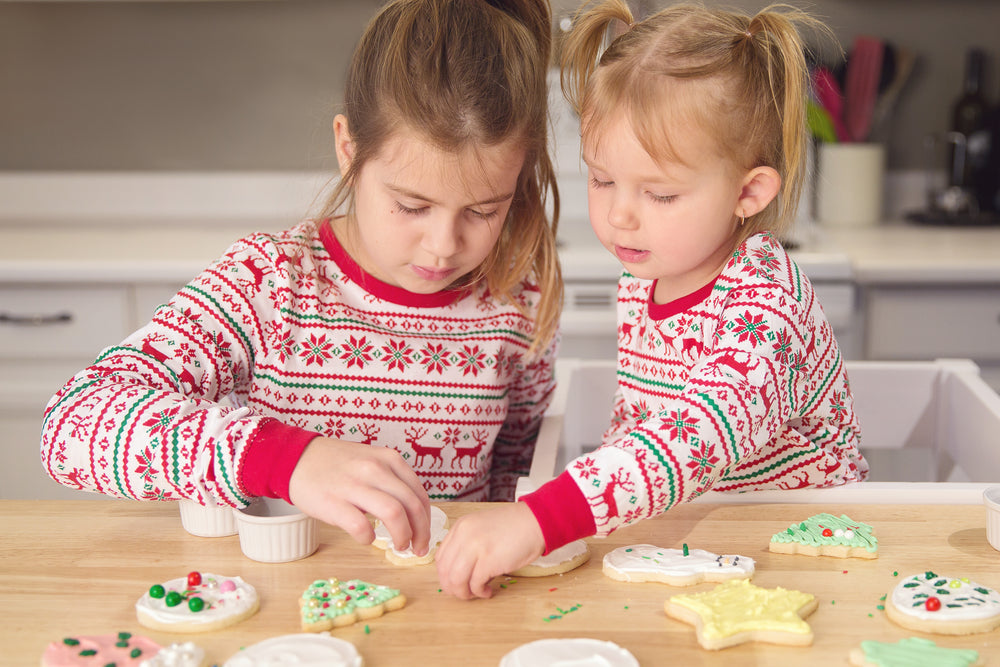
x=139, y=138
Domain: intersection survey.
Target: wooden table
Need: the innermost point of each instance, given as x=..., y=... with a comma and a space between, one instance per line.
x=77, y=567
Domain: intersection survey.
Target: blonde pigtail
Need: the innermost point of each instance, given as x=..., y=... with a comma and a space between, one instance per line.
x=584, y=45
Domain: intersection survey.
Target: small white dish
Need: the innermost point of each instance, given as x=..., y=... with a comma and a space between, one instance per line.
x=207, y=521
x=273, y=531
x=991, y=498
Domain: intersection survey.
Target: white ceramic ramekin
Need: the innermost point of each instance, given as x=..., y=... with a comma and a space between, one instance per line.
x=273, y=531
x=207, y=521
x=991, y=498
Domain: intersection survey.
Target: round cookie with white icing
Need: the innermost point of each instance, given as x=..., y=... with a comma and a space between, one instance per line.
x=199, y=602
x=123, y=650
x=676, y=567
x=383, y=540
x=559, y=561
x=943, y=605
x=570, y=651
x=300, y=649
x=827, y=535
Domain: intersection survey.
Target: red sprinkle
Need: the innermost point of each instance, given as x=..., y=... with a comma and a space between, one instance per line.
x=827, y=532
x=194, y=578
x=932, y=604
x=553, y=589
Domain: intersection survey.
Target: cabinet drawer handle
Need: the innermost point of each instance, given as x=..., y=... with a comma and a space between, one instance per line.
x=35, y=320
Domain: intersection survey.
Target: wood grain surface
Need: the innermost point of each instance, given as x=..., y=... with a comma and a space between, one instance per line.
x=77, y=568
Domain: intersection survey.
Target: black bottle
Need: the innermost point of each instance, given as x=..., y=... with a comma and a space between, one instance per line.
x=969, y=118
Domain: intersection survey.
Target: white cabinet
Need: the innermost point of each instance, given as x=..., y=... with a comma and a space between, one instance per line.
x=48, y=333
x=918, y=322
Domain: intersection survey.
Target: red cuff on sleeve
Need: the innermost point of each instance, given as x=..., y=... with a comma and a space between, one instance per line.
x=271, y=457
x=562, y=512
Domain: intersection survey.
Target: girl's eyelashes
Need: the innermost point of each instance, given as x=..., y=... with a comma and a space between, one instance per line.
x=484, y=215
x=662, y=199
x=598, y=183
x=400, y=208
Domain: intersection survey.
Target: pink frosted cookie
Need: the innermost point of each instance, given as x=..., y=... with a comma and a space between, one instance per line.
x=123, y=650
x=439, y=528
x=929, y=602
x=200, y=602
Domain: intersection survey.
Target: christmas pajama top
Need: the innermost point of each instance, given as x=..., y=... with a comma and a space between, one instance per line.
x=284, y=339
x=739, y=386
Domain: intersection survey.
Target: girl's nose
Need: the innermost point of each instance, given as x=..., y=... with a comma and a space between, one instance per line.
x=620, y=214
x=441, y=237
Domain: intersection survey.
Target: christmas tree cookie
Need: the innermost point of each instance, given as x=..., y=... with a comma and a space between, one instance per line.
x=332, y=603
x=827, y=535
x=737, y=611
x=675, y=567
x=943, y=605
x=911, y=652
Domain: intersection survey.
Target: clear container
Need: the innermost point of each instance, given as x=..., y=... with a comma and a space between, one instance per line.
x=991, y=498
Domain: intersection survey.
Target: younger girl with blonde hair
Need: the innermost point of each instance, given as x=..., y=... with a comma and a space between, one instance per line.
x=397, y=349
x=729, y=375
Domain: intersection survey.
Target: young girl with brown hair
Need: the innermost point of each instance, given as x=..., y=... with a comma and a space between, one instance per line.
x=398, y=348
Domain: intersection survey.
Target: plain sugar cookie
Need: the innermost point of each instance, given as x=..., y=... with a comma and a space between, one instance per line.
x=941, y=605
x=676, y=567
x=199, y=602
x=439, y=528
x=300, y=649
x=583, y=651
x=565, y=558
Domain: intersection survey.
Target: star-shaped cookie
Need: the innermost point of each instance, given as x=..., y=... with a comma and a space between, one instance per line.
x=737, y=611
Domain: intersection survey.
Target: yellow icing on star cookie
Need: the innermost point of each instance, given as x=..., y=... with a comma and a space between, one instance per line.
x=738, y=611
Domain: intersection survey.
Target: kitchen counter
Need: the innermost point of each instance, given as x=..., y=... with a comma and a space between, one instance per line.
x=77, y=567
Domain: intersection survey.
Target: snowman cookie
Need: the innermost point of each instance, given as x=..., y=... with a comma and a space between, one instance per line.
x=676, y=567
x=199, y=602
x=943, y=605
x=439, y=528
x=827, y=535
x=332, y=603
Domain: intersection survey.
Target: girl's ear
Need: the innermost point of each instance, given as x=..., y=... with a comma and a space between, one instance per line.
x=343, y=143
x=760, y=186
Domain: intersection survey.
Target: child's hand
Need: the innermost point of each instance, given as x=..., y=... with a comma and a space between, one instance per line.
x=484, y=545
x=338, y=481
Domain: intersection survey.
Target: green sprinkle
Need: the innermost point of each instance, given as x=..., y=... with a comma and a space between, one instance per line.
x=870, y=616
x=833, y=602
x=136, y=652
x=69, y=641
x=883, y=598
x=122, y=643
x=368, y=630
x=124, y=635
x=88, y=651
x=685, y=549
x=880, y=607
x=895, y=573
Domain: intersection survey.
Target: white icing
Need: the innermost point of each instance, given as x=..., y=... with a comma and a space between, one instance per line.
x=177, y=655
x=219, y=604
x=581, y=652
x=966, y=603
x=438, y=530
x=561, y=555
x=649, y=559
x=307, y=649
